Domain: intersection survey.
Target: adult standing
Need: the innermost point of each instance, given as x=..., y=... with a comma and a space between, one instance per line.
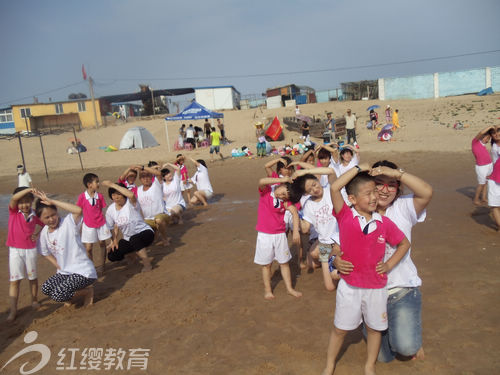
x=350, y=125
x=404, y=305
x=220, y=125
x=388, y=114
x=207, y=128
x=190, y=135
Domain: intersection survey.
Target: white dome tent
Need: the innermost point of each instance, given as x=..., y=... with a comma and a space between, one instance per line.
x=137, y=137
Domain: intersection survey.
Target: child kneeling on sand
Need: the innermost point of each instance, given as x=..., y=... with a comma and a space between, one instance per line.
x=272, y=243
x=61, y=245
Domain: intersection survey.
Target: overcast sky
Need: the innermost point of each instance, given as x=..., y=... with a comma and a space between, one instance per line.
x=174, y=44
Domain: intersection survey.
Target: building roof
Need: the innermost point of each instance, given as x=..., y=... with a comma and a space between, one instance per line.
x=217, y=87
x=140, y=95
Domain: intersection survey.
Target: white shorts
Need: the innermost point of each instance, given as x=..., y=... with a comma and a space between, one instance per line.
x=288, y=219
x=356, y=304
x=22, y=263
x=186, y=186
x=272, y=247
x=208, y=194
x=482, y=171
x=93, y=235
x=493, y=194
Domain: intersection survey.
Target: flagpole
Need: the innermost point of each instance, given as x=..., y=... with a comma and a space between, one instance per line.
x=91, y=88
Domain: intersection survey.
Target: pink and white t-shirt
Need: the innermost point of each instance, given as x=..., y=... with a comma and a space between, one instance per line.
x=20, y=229
x=92, y=207
x=364, y=251
x=271, y=212
x=65, y=245
x=480, y=152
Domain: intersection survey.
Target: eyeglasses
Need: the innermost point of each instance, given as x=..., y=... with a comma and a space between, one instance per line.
x=391, y=187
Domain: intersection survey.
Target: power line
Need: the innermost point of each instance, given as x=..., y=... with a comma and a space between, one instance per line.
x=312, y=71
x=42, y=93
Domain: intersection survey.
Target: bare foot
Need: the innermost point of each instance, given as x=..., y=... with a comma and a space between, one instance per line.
x=303, y=265
x=147, y=265
x=370, y=369
x=35, y=305
x=89, y=297
x=328, y=371
x=269, y=295
x=295, y=293
x=420, y=354
x=476, y=202
x=12, y=316
x=68, y=304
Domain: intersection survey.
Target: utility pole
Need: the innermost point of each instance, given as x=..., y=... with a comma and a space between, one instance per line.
x=152, y=99
x=91, y=88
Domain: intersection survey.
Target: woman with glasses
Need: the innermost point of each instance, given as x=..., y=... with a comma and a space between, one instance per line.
x=404, y=305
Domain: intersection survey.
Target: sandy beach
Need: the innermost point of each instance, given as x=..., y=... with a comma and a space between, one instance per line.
x=201, y=310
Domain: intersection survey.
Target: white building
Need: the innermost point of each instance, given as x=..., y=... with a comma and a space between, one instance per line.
x=218, y=97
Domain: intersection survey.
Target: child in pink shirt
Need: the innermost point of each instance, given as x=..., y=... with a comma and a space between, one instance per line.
x=128, y=178
x=21, y=240
x=494, y=193
x=186, y=186
x=271, y=237
x=484, y=164
x=362, y=294
x=94, y=228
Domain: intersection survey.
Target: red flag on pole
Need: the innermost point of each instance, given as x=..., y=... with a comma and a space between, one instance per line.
x=84, y=73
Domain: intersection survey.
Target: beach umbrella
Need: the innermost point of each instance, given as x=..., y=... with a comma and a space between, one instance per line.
x=304, y=118
x=384, y=135
x=372, y=107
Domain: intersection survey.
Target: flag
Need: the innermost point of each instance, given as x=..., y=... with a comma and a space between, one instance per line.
x=84, y=73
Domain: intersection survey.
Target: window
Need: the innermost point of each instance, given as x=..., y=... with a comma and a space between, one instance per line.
x=81, y=107
x=59, y=108
x=25, y=112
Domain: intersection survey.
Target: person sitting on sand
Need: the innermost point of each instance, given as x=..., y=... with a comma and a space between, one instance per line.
x=124, y=215
x=484, y=165
x=272, y=243
x=61, y=245
x=204, y=190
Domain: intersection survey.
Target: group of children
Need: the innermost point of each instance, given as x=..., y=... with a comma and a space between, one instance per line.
x=125, y=230
x=334, y=201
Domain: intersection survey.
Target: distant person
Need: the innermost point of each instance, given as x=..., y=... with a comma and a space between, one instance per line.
x=23, y=177
x=305, y=130
x=388, y=114
x=297, y=110
x=484, y=165
x=215, y=138
x=72, y=149
x=123, y=113
x=190, y=135
x=261, y=139
x=395, y=119
x=80, y=148
x=373, y=118
x=350, y=125
x=207, y=128
x=220, y=125
x=330, y=123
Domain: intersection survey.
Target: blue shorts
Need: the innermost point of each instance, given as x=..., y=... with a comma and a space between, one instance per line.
x=214, y=148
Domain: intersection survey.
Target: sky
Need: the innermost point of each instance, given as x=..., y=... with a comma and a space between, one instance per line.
x=251, y=45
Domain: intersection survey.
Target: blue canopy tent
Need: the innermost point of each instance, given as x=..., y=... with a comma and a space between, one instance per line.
x=194, y=111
